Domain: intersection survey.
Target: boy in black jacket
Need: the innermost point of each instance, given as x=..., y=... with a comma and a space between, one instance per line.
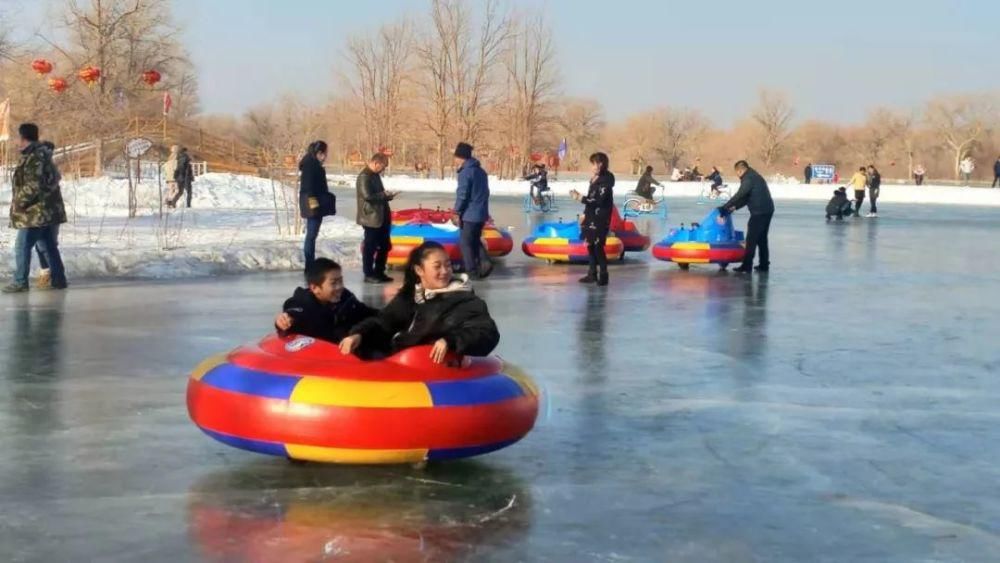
x=326, y=310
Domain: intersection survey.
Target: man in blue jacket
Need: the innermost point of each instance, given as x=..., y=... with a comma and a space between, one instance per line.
x=472, y=210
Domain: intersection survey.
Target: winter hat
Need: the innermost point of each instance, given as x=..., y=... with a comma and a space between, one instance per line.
x=463, y=150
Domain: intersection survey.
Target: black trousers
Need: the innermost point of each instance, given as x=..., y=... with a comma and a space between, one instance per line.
x=757, y=229
x=375, y=250
x=873, y=198
x=598, y=258
x=859, y=198
x=996, y=180
x=471, y=243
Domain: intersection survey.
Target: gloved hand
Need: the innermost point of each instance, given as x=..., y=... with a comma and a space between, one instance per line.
x=722, y=211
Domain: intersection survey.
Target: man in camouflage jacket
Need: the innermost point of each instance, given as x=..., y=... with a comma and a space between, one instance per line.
x=35, y=210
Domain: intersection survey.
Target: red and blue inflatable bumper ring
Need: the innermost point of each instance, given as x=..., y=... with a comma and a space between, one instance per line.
x=405, y=238
x=298, y=397
x=561, y=242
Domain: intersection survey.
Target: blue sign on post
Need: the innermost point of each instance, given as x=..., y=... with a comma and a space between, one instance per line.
x=823, y=173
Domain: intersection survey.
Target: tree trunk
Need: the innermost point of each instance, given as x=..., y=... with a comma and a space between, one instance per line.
x=440, y=155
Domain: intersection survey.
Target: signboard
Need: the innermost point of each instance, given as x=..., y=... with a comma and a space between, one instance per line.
x=137, y=147
x=823, y=172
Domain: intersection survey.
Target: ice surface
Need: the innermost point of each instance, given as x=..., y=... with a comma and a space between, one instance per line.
x=842, y=409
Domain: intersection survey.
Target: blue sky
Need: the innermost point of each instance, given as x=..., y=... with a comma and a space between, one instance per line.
x=836, y=60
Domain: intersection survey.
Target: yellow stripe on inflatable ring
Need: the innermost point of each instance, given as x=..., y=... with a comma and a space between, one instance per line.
x=692, y=246
x=208, y=364
x=521, y=378
x=408, y=240
x=553, y=241
x=324, y=391
x=346, y=455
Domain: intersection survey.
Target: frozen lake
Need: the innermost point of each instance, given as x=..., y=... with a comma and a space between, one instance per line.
x=843, y=408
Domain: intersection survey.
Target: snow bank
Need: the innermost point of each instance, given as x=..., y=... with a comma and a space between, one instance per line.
x=781, y=191
x=233, y=228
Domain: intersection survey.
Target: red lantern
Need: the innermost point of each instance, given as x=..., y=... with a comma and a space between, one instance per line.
x=151, y=77
x=385, y=151
x=89, y=74
x=57, y=85
x=537, y=157
x=41, y=66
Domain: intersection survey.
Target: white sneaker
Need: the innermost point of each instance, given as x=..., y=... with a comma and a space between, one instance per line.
x=869, y=214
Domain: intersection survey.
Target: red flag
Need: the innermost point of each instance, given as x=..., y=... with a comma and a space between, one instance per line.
x=168, y=102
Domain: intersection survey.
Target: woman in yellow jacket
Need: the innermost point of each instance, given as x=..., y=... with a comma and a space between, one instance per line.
x=858, y=182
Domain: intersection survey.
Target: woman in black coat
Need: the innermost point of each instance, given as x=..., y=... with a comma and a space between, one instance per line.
x=597, y=205
x=433, y=307
x=315, y=199
x=874, y=187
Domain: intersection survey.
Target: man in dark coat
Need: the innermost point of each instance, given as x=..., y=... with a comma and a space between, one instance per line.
x=315, y=199
x=808, y=173
x=324, y=309
x=375, y=218
x=646, y=182
x=756, y=196
x=472, y=208
x=184, y=176
x=996, y=173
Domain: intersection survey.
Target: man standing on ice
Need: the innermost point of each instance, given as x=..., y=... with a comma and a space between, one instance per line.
x=375, y=218
x=35, y=210
x=756, y=196
x=996, y=173
x=472, y=210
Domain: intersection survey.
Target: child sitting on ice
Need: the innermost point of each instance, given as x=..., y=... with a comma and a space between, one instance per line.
x=838, y=205
x=324, y=309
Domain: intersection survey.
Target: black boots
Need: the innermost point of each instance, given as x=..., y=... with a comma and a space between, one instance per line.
x=601, y=279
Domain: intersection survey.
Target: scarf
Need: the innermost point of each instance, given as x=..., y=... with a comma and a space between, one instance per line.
x=458, y=283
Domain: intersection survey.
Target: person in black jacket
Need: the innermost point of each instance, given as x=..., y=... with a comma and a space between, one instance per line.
x=324, y=309
x=716, y=178
x=184, y=177
x=315, y=199
x=646, y=182
x=808, y=173
x=597, y=205
x=756, y=196
x=996, y=173
x=874, y=185
x=839, y=205
x=375, y=218
x=539, y=182
x=433, y=307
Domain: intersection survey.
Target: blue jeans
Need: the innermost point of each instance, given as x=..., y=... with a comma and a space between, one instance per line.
x=43, y=260
x=23, y=246
x=312, y=231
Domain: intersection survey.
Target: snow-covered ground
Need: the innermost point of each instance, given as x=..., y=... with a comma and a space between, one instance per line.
x=890, y=193
x=237, y=224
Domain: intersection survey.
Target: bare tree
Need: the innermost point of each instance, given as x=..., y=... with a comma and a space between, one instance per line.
x=380, y=65
x=581, y=123
x=773, y=116
x=458, y=66
x=8, y=45
x=678, y=132
x=531, y=84
x=960, y=122
x=882, y=128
